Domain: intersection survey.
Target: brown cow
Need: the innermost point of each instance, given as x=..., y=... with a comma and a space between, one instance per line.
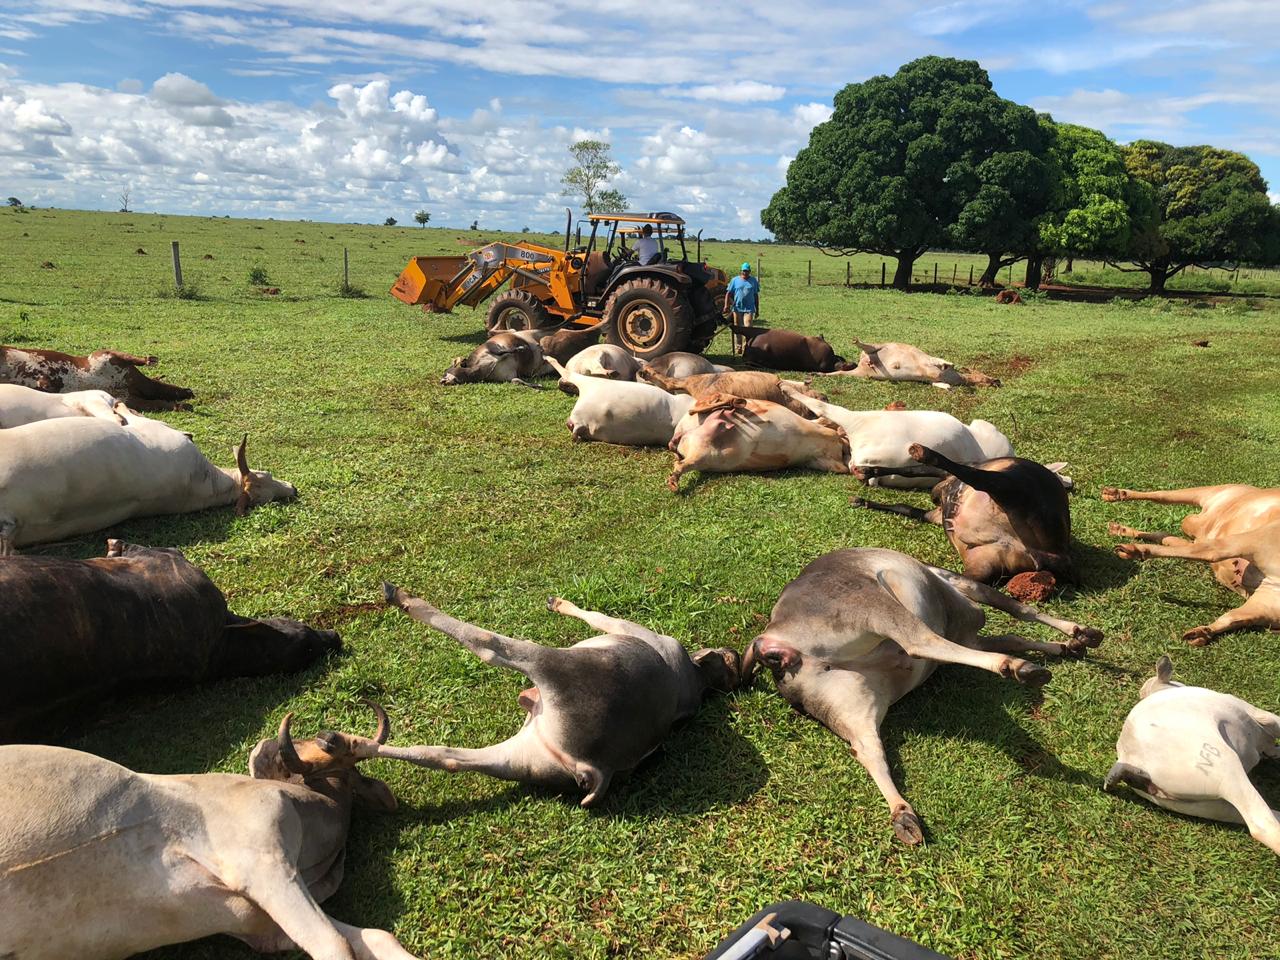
x=567, y=343
x=788, y=350
x=116, y=373
x=748, y=384
x=1004, y=516
x=1237, y=530
x=507, y=357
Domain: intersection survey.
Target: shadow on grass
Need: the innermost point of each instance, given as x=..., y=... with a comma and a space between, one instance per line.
x=479, y=336
x=1098, y=569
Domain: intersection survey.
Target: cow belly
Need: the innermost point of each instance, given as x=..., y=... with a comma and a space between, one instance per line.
x=632, y=424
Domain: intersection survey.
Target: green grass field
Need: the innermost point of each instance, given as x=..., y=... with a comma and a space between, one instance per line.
x=475, y=498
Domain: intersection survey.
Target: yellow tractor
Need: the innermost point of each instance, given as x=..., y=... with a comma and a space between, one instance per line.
x=670, y=303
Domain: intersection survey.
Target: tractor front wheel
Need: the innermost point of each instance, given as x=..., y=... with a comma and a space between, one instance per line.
x=516, y=310
x=648, y=318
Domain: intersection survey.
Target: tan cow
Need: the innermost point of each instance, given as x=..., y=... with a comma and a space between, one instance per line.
x=1237, y=530
x=747, y=384
x=98, y=862
x=724, y=434
x=905, y=363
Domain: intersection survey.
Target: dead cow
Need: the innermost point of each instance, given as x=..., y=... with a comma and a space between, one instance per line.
x=22, y=405
x=604, y=360
x=679, y=365
x=1190, y=750
x=902, y=362
x=62, y=478
x=880, y=441
x=78, y=631
x=747, y=384
x=116, y=373
x=724, y=434
x=568, y=342
x=1234, y=517
x=859, y=629
x=788, y=350
x=99, y=862
x=595, y=709
x=619, y=411
x=1004, y=517
x=505, y=357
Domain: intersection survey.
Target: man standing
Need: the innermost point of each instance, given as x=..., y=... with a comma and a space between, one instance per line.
x=744, y=290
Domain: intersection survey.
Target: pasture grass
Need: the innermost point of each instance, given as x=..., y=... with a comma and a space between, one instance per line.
x=475, y=498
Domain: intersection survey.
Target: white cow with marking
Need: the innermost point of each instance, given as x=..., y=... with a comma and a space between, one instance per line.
x=22, y=405
x=879, y=441
x=1190, y=750
x=604, y=360
x=620, y=411
x=61, y=478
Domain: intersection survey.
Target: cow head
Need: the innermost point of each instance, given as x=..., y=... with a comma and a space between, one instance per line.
x=459, y=372
x=329, y=756
x=257, y=486
x=720, y=669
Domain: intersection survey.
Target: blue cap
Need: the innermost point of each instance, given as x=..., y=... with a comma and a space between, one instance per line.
x=746, y=266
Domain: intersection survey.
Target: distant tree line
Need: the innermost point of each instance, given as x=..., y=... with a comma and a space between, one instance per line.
x=932, y=157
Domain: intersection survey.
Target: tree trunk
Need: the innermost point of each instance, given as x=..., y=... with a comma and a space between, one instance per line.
x=1070, y=263
x=902, y=273
x=1160, y=273
x=1035, y=271
x=988, y=278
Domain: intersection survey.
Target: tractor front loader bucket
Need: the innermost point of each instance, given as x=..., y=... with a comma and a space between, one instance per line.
x=426, y=281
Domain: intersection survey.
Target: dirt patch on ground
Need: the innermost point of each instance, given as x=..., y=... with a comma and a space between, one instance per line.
x=1003, y=369
x=337, y=616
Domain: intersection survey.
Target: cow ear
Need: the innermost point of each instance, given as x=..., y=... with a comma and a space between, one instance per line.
x=1164, y=669
x=372, y=793
x=265, y=762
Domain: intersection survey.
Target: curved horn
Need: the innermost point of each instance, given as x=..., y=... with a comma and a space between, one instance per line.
x=747, y=671
x=384, y=724
x=245, y=501
x=242, y=462
x=288, y=754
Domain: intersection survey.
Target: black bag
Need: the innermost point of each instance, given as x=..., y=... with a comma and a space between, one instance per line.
x=796, y=930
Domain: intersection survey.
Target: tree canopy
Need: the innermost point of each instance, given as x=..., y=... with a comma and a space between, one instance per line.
x=930, y=156
x=422, y=218
x=589, y=177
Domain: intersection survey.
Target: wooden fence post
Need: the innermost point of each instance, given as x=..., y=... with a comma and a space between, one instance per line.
x=1010, y=279
x=346, y=275
x=954, y=268
x=846, y=273
x=935, y=273
x=810, y=273
x=971, y=274
x=177, y=266
x=882, y=274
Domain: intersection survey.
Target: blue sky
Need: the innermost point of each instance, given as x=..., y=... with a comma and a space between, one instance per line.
x=334, y=110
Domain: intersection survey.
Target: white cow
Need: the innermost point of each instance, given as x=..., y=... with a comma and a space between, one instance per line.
x=1190, y=749
x=604, y=360
x=22, y=405
x=98, y=862
x=619, y=411
x=904, y=363
x=61, y=478
x=879, y=440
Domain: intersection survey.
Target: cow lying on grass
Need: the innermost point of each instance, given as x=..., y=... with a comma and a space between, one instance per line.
x=595, y=709
x=880, y=441
x=1004, y=517
x=116, y=373
x=78, y=631
x=604, y=360
x=726, y=434
x=22, y=405
x=1190, y=750
x=568, y=342
x=681, y=365
x=901, y=362
x=859, y=629
x=1237, y=530
x=61, y=478
x=788, y=350
x=507, y=357
x=747, y=384
x=98, y=862
x=619, y=411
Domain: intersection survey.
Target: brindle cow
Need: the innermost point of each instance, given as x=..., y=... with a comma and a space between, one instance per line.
x=76, y=631
x=1237, y=530
x=116, y=373
x=1004, y=516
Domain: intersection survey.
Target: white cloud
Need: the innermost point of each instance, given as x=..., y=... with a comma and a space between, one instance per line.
x=738, y=91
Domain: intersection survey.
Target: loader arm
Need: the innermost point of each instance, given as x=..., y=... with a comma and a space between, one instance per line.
x=442, y=283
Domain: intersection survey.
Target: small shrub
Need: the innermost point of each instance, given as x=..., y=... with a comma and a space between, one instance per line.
x=258, y=276
x=350, y=291
x=1034, y=296
x=190, y=290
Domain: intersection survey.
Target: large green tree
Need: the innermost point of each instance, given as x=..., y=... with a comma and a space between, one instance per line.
x=1210, y=207
x=930, y=156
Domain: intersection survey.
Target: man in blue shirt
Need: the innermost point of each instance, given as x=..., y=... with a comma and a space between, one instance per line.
x=744, y=290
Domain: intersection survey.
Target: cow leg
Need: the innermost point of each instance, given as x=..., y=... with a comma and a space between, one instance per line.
x=1253, y=613
x=1193, y=496
x=273, y=884
x=492, y=648
x=1012, y=643
x=901, y=509
x=1169, y=539
x=991, y=597
x=525, y=758
x=600, y=621
x=851, y=707
x=369, y=944
x=8, y=530
x=1238, y=790
x=125, y=358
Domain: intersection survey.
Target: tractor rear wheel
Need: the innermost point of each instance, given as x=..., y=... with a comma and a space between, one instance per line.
x=516, y=310
x=648, y=318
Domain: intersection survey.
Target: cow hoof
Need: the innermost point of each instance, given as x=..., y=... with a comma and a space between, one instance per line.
x=1074, y=649
x=907, y=827
x=1120, y=530
x=916, y=452
x=1112, y=494
x=1198, y=637
x=1032, y=674
x=553, y=604
x=1128, y=551
x=1089, y=636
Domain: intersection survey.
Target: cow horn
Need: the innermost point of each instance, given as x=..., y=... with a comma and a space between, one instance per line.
x=747, y=671
x=244, y=501
x=288, y=753
x=242, y=461
x=384, y=723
